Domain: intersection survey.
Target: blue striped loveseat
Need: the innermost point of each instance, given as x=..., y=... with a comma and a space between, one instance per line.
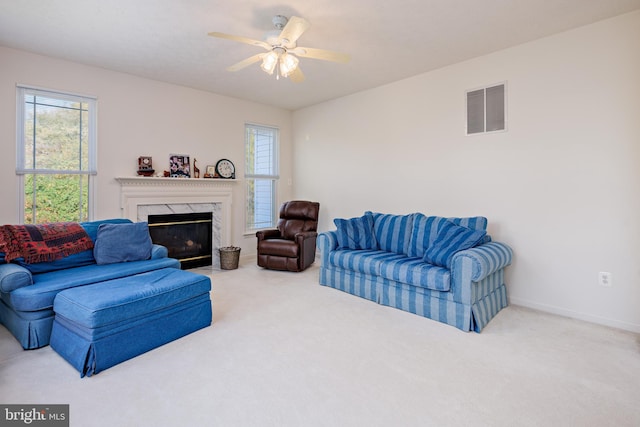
x=415, y=263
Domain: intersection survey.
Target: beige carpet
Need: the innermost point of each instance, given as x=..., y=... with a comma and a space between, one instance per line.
x=285, y=351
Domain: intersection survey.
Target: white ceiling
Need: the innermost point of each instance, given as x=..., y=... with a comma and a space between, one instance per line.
x=388, y=40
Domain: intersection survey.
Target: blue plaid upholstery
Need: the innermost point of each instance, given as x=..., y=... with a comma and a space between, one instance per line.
x=467, y=296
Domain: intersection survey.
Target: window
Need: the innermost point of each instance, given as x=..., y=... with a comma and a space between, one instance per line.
x=261, y=176
x=56, y=155
x=486, y=109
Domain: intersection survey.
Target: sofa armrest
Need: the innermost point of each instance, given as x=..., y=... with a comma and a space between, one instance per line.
x=14, y=276
x=485, y=259
x=268, y=234
x=159, y=251
x=327, y=242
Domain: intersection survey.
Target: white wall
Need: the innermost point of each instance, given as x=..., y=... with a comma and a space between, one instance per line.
x=561, y=186
x=138, y=117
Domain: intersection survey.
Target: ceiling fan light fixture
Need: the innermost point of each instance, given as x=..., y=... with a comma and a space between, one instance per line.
x=269, y=62
x=288, y=64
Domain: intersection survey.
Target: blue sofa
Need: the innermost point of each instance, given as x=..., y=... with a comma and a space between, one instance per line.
x=27, y=291
x=446, y=269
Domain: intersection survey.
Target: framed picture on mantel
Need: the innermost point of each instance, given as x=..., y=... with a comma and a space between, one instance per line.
x=210, y=171
x=179, y=166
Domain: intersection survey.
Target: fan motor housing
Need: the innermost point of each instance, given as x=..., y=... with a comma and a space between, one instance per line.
x=280, y=21
x=273, y=37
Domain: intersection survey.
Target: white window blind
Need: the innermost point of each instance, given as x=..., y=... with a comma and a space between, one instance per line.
x=261, y=176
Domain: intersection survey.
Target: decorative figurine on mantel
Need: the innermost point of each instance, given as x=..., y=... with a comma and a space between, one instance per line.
x=145, y=167
x=196, y=171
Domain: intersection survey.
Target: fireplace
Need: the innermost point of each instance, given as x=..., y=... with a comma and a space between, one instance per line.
x=141, y=197
x=187, y=236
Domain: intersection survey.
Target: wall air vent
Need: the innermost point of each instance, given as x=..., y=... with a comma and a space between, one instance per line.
x=486, y=109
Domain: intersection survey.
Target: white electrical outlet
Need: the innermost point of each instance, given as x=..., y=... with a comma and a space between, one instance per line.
x=605, y=279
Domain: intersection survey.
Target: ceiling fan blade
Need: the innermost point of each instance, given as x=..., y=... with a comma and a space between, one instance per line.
x=325, y=55
x=241, y=40
x=245, y=63
x=297, y=76
x=294, y=29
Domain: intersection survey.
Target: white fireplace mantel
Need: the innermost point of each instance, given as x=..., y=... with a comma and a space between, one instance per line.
x=143, y=191
x=142, y=181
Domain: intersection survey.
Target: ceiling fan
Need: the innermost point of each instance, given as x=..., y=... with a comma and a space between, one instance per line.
x=282, y=49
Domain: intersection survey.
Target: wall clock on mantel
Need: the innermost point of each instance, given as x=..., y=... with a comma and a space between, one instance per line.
x=225, y=169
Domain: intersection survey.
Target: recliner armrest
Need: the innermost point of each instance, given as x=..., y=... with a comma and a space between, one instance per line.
x=268, y=234
x=306, y=240
x=304, y=235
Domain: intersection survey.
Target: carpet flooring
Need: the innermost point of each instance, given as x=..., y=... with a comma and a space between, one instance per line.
x=285, y=351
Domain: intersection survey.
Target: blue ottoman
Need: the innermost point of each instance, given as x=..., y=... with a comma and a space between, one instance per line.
x=98, y=326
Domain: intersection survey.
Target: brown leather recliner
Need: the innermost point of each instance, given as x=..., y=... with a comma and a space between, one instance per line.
x=292, y=246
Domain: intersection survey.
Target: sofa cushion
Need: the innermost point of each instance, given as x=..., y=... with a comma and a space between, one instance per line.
x=79, y=259
x=424, y=230
x=356, y=233
x=451, y=238
x=46, y=286
x=361, y=261
x=478, y=223
x=423, y=233
x=392, y=232
x=122, y=243
x=416, y=272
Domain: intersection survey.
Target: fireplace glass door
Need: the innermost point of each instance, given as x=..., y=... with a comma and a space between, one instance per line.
x=188, y=237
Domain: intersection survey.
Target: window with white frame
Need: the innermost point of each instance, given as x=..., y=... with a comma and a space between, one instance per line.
x=486, y=110
x=261, y=176
x=56, y=155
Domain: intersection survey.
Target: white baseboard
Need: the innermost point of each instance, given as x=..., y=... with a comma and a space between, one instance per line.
x=631, y=327
x=248, y=257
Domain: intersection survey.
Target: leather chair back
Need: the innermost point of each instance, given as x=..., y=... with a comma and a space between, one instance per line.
x=298, y=216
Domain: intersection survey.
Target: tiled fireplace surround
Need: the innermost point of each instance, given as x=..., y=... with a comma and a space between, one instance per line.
x=141, y=197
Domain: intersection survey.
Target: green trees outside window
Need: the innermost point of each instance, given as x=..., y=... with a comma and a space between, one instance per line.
x=56, y=155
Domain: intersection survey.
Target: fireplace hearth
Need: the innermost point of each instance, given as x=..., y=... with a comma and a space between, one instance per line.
x=187, y=236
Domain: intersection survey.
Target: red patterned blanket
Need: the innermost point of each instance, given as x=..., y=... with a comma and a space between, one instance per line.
x=43, y=242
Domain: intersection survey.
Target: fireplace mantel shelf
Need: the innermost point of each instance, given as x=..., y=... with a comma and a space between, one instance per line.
x=153, y=181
